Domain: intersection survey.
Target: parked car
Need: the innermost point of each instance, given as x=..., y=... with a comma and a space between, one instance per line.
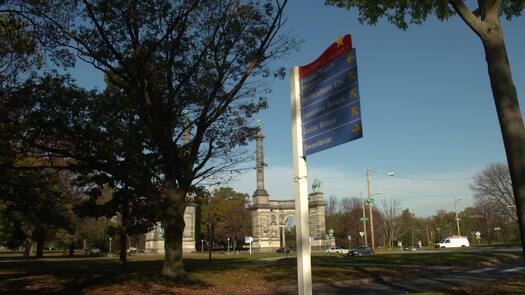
x=360, y=251
x=454, y=241
x=94, y=252
x=132, y=250
x=284, y=250
x=337, y=250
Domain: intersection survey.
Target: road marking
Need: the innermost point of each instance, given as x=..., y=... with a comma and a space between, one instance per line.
x=481, y=270
x=515, y=269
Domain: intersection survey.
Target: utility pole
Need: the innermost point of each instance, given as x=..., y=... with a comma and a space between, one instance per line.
x=364, y=219
x=370, y=209
x=456, y=201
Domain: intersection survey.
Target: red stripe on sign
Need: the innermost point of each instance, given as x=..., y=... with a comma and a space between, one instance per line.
x=335, y=50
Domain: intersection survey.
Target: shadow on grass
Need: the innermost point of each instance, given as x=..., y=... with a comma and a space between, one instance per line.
x=74, y=275
x=64, y=275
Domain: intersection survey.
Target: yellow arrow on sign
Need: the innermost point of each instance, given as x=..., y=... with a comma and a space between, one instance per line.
x=353, y=92
x=351, y=76
x=355, y=112
x=350, y=58
x=357, y=129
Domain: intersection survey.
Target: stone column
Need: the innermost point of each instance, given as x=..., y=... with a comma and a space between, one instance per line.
x=260, y=160
x=260, y=191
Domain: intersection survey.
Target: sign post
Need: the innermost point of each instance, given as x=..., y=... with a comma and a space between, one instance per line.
x=325, y=113
x=249, y=240
x=304, y=265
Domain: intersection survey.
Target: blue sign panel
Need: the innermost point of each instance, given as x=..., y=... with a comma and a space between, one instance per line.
x=330, y=105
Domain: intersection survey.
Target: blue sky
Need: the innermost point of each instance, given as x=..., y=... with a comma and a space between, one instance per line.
x=427, y=110
x=426, y=106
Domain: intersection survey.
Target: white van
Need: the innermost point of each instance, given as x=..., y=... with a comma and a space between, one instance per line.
x=454, y=241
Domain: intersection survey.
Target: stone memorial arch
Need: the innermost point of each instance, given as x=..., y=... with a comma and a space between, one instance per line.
x=269, y=217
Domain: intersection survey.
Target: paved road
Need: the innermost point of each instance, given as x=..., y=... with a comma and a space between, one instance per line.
x=442, y=279
x=457, y=250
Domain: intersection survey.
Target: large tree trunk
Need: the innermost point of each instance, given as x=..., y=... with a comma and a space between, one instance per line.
x=123, y=241
x=28, y=247
x=123, y=237
x=40, y=239
x=173, y=231
x=71, y=249
x=509, y=115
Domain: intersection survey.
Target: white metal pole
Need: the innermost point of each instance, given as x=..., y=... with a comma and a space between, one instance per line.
x=304, y=269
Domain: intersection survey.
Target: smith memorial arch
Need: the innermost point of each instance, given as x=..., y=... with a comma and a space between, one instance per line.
x=269, y=217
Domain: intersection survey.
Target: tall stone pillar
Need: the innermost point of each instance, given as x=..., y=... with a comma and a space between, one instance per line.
x=260, y=199
x=260, y=194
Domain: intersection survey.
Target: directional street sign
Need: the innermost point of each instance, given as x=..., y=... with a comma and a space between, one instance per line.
x=364, y=218
x=324, y=97
x=330, y=104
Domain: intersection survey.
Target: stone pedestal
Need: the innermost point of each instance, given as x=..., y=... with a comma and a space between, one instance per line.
x=317, y=205
x=155, y=238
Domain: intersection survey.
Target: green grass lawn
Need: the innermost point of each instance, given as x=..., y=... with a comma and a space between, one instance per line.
x=230, y=274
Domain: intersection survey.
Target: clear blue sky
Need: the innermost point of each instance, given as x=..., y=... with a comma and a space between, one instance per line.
x=426, y=102
x=426, y=106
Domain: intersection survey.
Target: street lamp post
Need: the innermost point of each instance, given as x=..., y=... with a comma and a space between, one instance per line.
x=228, y=246
x=456, y=201
x=370, y=200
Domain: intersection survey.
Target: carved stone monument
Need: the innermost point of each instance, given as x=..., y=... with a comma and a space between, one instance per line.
x=269, y=217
